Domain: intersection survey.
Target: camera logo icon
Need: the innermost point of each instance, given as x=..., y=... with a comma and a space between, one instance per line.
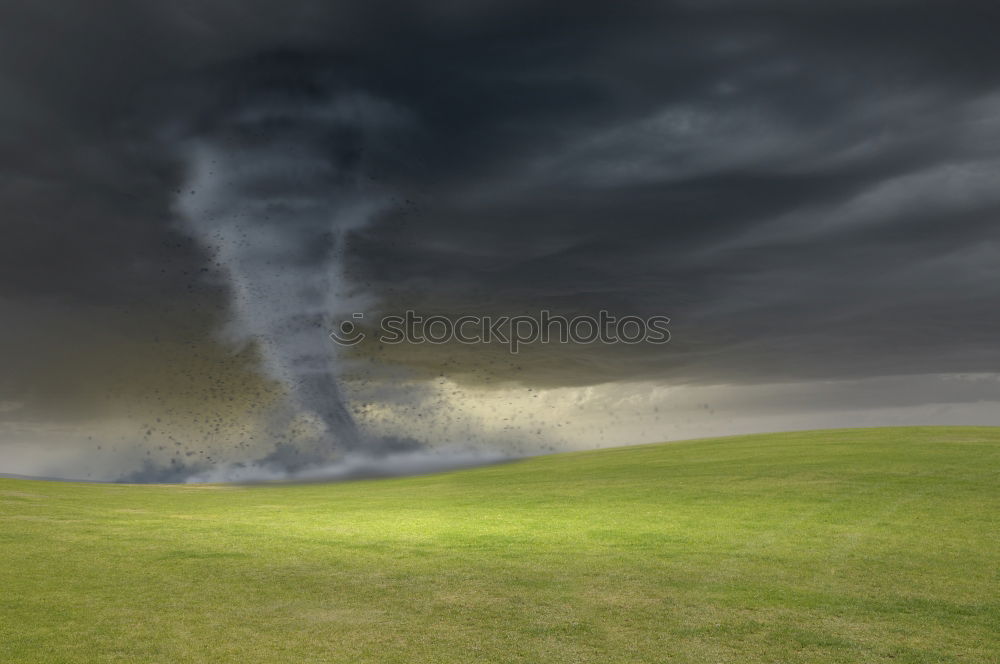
x=347, y=333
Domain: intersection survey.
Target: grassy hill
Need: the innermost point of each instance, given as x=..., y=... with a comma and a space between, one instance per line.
x=871, y=545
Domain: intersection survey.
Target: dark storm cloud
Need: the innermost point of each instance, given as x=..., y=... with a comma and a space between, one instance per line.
x=807, y=190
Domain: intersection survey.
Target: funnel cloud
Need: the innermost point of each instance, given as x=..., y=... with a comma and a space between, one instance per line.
x=271, y=193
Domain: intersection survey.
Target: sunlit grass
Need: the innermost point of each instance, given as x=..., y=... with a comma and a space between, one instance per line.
x=875, y=545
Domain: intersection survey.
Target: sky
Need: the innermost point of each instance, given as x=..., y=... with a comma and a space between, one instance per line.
x=193, y=193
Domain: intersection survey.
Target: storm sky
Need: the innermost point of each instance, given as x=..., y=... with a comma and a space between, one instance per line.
x=810, y=191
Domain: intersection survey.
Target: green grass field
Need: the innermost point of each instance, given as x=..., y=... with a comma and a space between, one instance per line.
x=870, y=545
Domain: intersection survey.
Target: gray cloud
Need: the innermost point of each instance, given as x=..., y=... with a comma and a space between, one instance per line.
x=806, y=190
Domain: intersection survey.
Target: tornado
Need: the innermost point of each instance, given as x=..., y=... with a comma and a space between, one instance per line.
x=272, y=189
